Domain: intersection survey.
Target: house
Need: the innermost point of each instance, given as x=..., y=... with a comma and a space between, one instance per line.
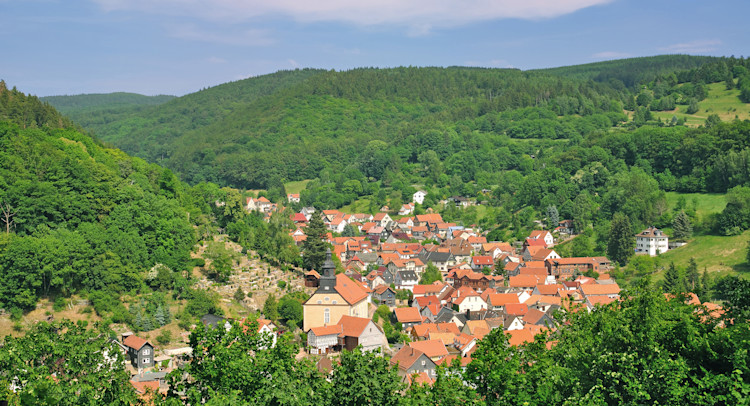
x=610, y=290
x=336, y=296
x=406, y=279
x=292, y=198
x=382, y=219
x=413, y=361
x=140, y=351
x=498, y=301
x=308, y=212
x=429, y=290
x=312, y=279
x=479, y=262
x=475, y=280
x=418, y=197
x=543, y=235
x=467, y=299
x=651, y=241
x=267, y=328
x=324, y=339
x=435, y=349
x=423, y=331
x=442, y=260
x=360, y=331
x=384, y=295
x=564, y=268
x=524, y=281
x=406, y=209
x=407, y=316
x=337, y=225
x=260, y=204
x=566, y=227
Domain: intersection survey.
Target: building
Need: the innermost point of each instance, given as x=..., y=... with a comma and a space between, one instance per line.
x=140, y=351
x=336, y=296
x=651, y=241
x=419, y=196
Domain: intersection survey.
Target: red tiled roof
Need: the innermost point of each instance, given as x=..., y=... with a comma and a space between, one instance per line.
x=406, y=357
x=600, y=289
x=350, y=290
x=326, y=330
x=407, y=315
x=134, y=342
x=431, y=348
x=516, y=309
x=353, y=326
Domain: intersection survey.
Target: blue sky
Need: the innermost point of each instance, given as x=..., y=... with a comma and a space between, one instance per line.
x=52, y=47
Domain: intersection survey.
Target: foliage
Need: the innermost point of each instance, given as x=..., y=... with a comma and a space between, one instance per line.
x=681, y=226
x=271, y=308
x=222, y=260
x=364, y=378
x=65, y=364
x=621, y=239
x=314, y=247
x=430, y=275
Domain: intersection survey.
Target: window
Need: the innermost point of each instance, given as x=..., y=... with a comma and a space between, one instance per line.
x=327, y=316
x=424, y=362
x=334, y=302
x=320, y=301
x=146, y=360
x=147, y=352
x=326, y=298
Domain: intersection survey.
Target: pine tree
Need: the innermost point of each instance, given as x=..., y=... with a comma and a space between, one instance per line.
x=553, y=217
x=674, y=281
x=705, y=285
x=159, y=316
x=314, y=247
x=621, y=240
x=239, y=294
x=693, y=277
x=271, y=308
x=682, y=227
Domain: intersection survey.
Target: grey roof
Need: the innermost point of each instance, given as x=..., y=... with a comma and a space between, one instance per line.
x=368, y=257
x=407, y=275
x=212, y=320
x=150, y=376
x=427, y=256
x=445, y=315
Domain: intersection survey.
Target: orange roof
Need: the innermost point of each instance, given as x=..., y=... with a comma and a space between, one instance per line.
x=518, y=337
x=474, y=325
x=533, y=316
x=428, y=289
x=420, y=378
x=431, y=348
x=351, y=291
x=406, y=357
x=142, y=387
x=430, y=218
x=353, y=326
x=134, y=342
x=549, y=290
x=407, y=315
x=502, y=299
x=423, y=330
x=516, y=309
x=522, y=281
x=326, y=330
x=533, y=271
x=600, y=300
x=597, y=289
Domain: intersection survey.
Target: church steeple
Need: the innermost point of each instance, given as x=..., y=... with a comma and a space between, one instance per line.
x=328, y=274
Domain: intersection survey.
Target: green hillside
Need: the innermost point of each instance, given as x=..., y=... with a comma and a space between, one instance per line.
x=631, y=72
x=92, y=102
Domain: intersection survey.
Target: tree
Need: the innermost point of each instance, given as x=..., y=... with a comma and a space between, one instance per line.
x=495, y=369
x=693, y=278
x=271, y=308
x=692, y=107
x=314, y=248
x=63, y=363
x=6, y=215
x=291, y=311
x=431, y=274
x=712, y=120
x=674, y=280
x=239, y=294
x=621, y=240
x=553, y=217
x=365, y=378
x=221, y=259
x=349, y=231
x=681, y=226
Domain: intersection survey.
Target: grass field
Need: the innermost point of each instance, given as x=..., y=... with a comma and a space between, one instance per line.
x=357, y=206
x=297, y=186
x=704, y=203
x=725, y=103
x=717, y=254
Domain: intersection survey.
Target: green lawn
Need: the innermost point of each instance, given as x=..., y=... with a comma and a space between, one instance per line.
x=297, y=186
x=705, y=203
x=357, y=206
x=725, y=103
x=718, y=254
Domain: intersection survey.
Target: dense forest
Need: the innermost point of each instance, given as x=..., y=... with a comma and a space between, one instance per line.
x=80, y=218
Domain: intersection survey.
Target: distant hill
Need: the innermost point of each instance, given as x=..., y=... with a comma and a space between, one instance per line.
x=67, y=104
x=631, y=71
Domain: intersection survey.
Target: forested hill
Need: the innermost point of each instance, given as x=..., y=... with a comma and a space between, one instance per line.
x=68, y=104
x=77, y=216
x=631, y=72
x=290, y=125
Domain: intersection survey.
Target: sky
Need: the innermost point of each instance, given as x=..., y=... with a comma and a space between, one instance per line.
x=58, y=47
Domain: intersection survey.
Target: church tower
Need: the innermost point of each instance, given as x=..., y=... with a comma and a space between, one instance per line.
x=328, y=276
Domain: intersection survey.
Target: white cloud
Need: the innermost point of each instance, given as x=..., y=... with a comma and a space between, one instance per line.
x=420, y=16
x=611, y=55
x=247, y=37
x=693, y=47
x=294, y=63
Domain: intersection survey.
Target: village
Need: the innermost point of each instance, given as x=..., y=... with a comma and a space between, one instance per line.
x=378, y=301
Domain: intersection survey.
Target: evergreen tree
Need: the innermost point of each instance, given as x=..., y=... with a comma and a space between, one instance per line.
x=705, y=285
x=621, y=240
x=553, y=217
x=314, y=247
x=693, y=277
x=681, y=226
x=239, y=294
x=348, y=231
x=692, y=107
x=674, y=281
x=159, y=317
x=271, y=308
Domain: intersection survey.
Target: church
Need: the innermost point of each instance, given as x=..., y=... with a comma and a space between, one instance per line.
x=336, y=296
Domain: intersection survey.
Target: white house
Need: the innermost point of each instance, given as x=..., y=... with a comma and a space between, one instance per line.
x=419, y=196
x=651, y=241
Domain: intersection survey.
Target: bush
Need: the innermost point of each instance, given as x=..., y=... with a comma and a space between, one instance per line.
x=59, y=304
x=165, y=337
x=281, y=284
